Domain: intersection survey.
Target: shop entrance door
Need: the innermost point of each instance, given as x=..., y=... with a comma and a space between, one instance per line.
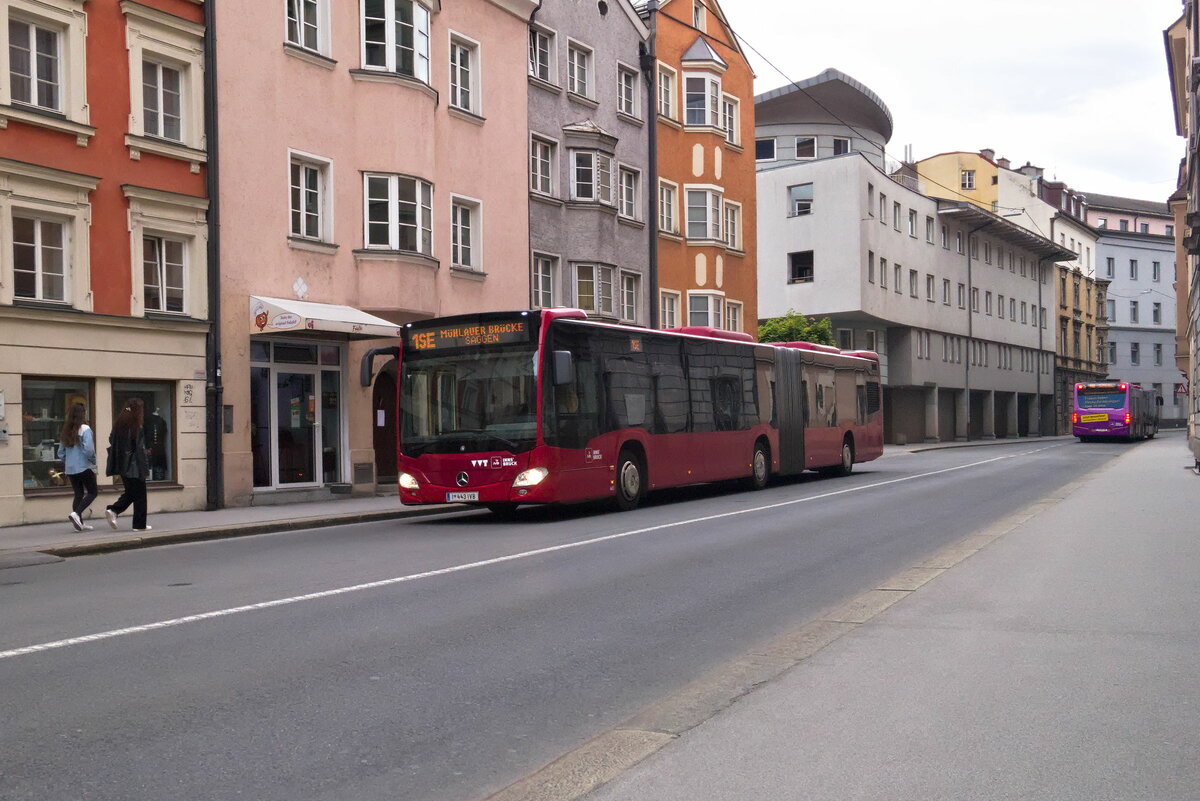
x=296, y=428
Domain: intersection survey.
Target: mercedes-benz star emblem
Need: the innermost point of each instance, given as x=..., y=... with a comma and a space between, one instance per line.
x=463, y=479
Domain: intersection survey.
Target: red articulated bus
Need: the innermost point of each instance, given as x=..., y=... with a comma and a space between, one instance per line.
x=547, y=406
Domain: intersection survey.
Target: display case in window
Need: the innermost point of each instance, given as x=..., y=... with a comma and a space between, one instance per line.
x=44, y=405
x=159, y=430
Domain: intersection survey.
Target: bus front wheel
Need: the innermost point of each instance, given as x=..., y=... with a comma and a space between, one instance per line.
x=631, y=480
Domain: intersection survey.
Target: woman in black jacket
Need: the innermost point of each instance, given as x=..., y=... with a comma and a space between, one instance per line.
x=127, y=459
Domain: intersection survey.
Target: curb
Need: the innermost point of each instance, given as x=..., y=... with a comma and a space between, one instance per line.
x=990, y=443
x=233, y=530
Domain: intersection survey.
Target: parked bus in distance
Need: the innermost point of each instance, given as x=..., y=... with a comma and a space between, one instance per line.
x=547, y=406
x=1115, y=409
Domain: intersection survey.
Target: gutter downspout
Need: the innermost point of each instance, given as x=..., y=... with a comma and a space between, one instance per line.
x=649, y=61
x=214, y=390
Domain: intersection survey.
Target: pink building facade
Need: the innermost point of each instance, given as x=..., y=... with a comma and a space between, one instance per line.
x=372, y=161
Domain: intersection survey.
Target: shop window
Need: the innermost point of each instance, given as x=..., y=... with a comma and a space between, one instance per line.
x=159, y=429
x=44, y=405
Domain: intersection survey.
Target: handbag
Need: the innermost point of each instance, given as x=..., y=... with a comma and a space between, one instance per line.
x=110, y=463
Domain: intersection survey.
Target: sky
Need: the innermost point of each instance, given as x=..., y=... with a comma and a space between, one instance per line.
x=1077, y=87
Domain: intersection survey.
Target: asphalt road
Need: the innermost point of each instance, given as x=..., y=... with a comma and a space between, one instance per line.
x=478, y=650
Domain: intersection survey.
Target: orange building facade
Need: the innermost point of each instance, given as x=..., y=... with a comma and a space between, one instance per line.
x=103, y=241
x=706, y=187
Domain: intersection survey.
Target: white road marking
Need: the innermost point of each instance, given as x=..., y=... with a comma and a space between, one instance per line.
x=370, y=585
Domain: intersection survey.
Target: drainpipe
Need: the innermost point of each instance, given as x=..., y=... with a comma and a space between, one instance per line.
x=214, y=390
x=649, y=63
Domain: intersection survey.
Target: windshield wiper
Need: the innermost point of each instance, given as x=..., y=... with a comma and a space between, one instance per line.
x=479, y=432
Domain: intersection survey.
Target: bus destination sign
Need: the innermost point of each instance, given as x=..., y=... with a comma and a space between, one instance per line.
x=458, y=336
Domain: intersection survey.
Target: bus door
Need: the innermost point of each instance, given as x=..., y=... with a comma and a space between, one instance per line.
x=791, y=404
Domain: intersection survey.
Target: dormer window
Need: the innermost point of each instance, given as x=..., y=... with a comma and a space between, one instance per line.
x=702, y=100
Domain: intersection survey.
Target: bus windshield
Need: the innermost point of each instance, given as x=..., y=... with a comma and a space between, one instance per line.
x=472, y=400
x=1101, y=399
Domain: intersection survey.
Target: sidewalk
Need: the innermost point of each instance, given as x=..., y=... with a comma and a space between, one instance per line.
x=1059, y=661
x=59, y=539
x=918, y=447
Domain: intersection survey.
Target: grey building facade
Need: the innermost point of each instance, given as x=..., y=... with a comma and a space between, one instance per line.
x=1136, y=252
x=589, y=154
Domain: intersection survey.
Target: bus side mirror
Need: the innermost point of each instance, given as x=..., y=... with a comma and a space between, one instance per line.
x=564, y=367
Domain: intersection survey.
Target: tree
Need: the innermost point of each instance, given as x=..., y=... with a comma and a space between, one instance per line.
x=793, y=327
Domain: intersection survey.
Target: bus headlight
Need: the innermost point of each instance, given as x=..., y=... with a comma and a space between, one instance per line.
x=408, y=482
x=531, y=477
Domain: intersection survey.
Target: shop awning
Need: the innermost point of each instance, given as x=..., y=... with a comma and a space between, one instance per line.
x=278, y=315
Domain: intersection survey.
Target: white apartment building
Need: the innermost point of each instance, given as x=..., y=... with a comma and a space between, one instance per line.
x=956, y=300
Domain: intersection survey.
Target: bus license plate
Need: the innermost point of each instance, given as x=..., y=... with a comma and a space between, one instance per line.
x=1093, y=418
x=454, y=497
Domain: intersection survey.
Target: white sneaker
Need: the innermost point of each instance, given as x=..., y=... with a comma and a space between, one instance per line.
x=112, y=517
x=76, y=523
x=147, y=528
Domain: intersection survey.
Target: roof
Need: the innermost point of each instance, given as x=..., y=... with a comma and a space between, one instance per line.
x=1023, y=237
x=1116, y=203
x=701, y=50
x=974, y=153
x=642, y=7
x=832, y=89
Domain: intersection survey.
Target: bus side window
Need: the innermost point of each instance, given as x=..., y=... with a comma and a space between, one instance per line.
x=874, y=400
x=862, y=404
x=726, y=393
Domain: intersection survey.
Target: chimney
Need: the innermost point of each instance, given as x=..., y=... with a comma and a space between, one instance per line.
x=988, y=153
x=1031, y=171
x=1004, y=163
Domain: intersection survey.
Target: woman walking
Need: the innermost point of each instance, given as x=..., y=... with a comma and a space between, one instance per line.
x=127, y=459
x=77, y=449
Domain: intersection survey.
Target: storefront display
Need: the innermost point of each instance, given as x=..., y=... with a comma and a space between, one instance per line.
x=44, y=404
x=159, y=430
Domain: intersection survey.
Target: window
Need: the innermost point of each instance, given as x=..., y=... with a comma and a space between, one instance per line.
x=627, y=91
x=702, y=100
x=946, y=291
x=157, y=398
x=929, y=230
x=542, y=158
x=579, y=70
x=668, y=221
x=1156, y=314
x=870, y=200
x=304, y=23
x=1112, y=310
x=883, y=208
x=396, y=38
x=733, y=225
x=897, y=272
x=594, y=288
x=1170, y=230
x=1135, y=353
x=1109, y=267
x=962, y=296
x=543, y=280
x=541, y=49
x=945, y=237
x=958, y=245
x=1133, y=312
x=162, y=101
x=308, y=181
x=591, y=177
x=1133, y=269
x=666, y=97
x=668, y=309
x=464, y=234
x=987, y=252
x=896, y=216
x=698, y=14
x=987, y=299
x=44, y=407
x=930, y=288
x=800, y=200
x=630, y=182
x=40, y=258
x=1012, y=309
x=974, y=299
x=1124, y=225
x=1158, y=354
x=629, y=297
x=883, y=273
x=399, y=213
x=1143, y=228
x=912, y=283
x=764, y=149
x=464, y=78
x=733, y=316
x=1155, y=271
x=841, y=146
x=806, y=147
x=730, y=118
x=1024, y=317
x=35, y=64
x=703, y=214
x=163, y=273
x=1042, y=316
x=800, y=267
x=967, y=179
x=705, y=310
x=845, y=338
x=974, y=245
x=912, y=223
x=1000, y=306
x=1101, y=222
x=870, y=266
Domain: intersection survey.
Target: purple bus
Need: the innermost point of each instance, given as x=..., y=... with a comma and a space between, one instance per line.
x=1114, y=409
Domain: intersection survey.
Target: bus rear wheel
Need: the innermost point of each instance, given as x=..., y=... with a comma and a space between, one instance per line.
x=760, y=467
x=631, y=480
x=846, y=466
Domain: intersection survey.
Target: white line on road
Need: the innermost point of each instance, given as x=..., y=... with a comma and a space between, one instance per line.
x=370, y=585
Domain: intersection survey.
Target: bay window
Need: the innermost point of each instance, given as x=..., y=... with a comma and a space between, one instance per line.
x=396, y=37
x=591, y=177
x=705, y=309
x=704, y=217
x=594, y=288
x=702, y=100
x=399, y=213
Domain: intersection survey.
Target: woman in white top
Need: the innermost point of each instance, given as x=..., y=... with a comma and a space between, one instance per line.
x=77, y=449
